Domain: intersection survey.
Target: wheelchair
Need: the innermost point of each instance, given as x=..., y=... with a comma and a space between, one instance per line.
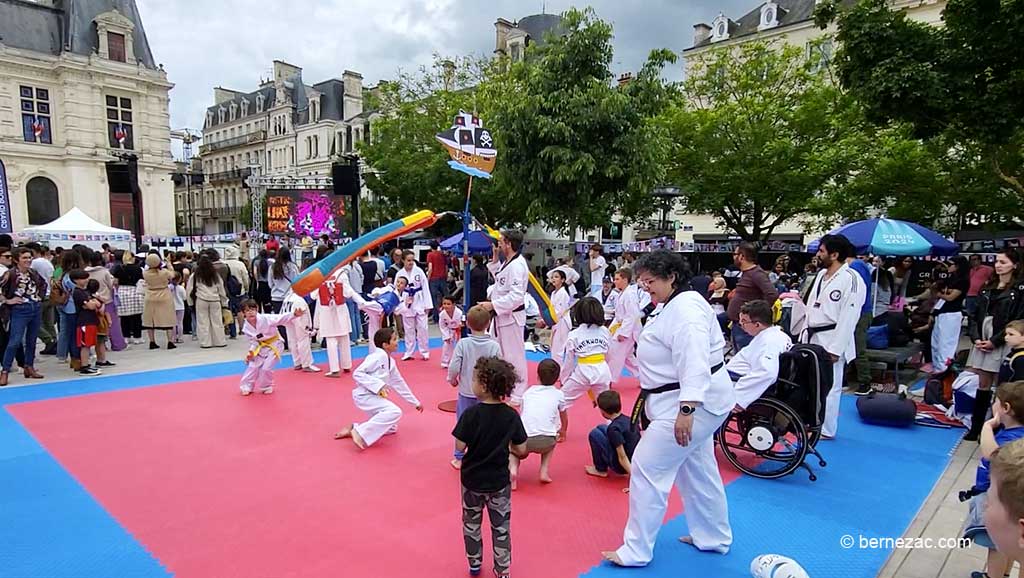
x=773, y=437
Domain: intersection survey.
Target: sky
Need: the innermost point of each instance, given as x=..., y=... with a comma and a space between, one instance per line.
x=232, y=43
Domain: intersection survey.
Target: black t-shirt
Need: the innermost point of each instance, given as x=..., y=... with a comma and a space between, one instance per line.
x=1012, y=368
x=487, y=429
x=128, y=275
x=85, y=316
x=369, y=276
x=622, y=433
x=961, y=284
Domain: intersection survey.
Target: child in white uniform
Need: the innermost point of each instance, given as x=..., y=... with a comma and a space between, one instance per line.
x=560, y=301
x=264, y=346
x=449, y=321
x=418, y=305
x=375, y=378
x=625, y=328
x=585, y=369
x=299, y=331
x=385, y=300
x=333, y=322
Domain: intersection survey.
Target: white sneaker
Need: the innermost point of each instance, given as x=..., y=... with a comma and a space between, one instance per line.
x=311, y=369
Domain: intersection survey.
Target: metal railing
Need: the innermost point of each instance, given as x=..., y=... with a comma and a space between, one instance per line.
x=233, y=174
x=251, y=138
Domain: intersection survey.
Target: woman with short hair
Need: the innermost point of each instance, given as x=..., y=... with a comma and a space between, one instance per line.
x=158, y=303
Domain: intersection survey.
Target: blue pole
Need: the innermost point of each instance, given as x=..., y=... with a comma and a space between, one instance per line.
x=465, y=257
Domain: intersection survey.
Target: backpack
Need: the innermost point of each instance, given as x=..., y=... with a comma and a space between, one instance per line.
x=58, y=296
x=888, y=409
x=232, y=285
x=803, y=368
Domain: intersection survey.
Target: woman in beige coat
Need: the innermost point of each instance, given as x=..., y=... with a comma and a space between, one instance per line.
x=205, y=290
x=158, y=304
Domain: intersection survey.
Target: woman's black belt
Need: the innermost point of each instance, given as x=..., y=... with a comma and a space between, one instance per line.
x=820, y=329
x=639, y=417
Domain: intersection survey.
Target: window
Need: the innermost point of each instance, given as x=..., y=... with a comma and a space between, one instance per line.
x=819, y=54
x=35, y=115
x=119, y=123
x=234, y=111
x=366, y=132
x=43, y=202
x=348, y=139
x=259, y=103
x=291, y=150
x=209, y=119
x=245, y=108
x=220, y=114
x=225, y=227
x=115, y=46
x=270, y=160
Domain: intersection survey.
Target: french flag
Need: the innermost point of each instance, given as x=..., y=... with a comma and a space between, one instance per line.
x=120, y=134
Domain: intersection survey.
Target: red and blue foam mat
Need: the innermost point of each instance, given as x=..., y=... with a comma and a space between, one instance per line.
x=173, y=473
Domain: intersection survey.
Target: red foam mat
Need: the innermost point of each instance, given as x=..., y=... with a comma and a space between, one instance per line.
x=215, y=484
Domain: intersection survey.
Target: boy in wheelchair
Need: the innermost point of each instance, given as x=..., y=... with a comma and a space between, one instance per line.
x=755, y=368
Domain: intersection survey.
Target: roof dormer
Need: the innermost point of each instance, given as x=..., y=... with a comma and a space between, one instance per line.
x=220, y=115
x=114, y=32
x=720, y=28
x=244, y=110
x=769, y=15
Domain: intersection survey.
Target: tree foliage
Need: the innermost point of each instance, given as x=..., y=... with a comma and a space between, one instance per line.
x=757, y=136
x=963, y=81
x=573, y=148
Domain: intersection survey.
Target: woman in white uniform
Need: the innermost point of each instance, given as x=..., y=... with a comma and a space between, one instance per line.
x=685, y=396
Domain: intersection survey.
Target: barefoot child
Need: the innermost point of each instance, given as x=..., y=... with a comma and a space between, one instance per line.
x=375, y=378
x=384, y=301
x=487, y=432
x=299, y=329
x=1004, y=427
x=416, y=297
x=612, y=445
x=585, y=370
x=543, y=418
x=264, y=346
x=560, y=301
x=449, y=321
x=467, y=352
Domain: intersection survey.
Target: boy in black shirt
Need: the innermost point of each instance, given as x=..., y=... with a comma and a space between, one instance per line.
x=1012, y=368
x=88, y=322
x=487, y=432
x=612, y=445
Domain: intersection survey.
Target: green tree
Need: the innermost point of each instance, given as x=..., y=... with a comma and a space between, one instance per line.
x=759, y=137
x=408, y=168
x=962, y=81
x=573, y=148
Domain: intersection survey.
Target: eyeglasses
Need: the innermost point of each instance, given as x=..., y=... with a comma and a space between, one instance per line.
x=6, y=256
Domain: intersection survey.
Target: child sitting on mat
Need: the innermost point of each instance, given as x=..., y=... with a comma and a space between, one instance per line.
x=467, y=352
x=1004, y=427
x=612, y=445
x=544, y=419
x=487, y=432
x=375, y=378
x=264, y=346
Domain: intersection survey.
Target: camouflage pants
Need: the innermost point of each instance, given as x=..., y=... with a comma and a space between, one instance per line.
x=499, y=509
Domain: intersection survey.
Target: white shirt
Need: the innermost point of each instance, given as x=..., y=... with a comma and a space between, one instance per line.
x=541, y=406
x=597, y=275
x=44, y=267
x=448, y=324
x=379, y=370
x=179, y=297
x=355, y=275
x=757, y=364
x=681, y=342
x=835, y=301
x=571, y=277
x=583, y=341
x=561, y=302
x=532, y=309
x=509, y=294
x=609, y=305
x=292, y=303
x=265, y=330
x=421, y=301
x=627, y=314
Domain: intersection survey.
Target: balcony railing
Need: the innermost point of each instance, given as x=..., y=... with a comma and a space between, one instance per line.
x=231, y=211
x=251, y=138
x=231, y=175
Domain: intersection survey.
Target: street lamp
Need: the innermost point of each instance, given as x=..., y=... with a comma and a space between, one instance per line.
x=667, y=196
x=187, y=139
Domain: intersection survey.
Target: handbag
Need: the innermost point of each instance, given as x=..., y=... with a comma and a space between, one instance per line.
x=103, y=327
x=228, y=318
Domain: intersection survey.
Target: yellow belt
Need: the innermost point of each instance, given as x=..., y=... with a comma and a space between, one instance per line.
x=591, y=359
x=614, y=327
x=268, y=344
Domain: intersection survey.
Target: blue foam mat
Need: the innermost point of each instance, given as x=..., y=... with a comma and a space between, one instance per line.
x=873, y=486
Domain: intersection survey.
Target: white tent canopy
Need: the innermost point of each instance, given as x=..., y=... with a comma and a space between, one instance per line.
x=75, y=227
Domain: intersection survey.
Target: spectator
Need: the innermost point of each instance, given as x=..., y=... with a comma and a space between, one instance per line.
x=701, y=283
x=129, y=298
x=43, y=265
x=23, y=290
x=261, y=280
x=478, y=281
x=236, y=294
x=67, y=346
x=753, y=284
x=107, y=314
x=437, y=276
x=980, y=274
x=205, y=290
x=281, y=276
x=860, y=332
x=354, y=270
x=158, y=304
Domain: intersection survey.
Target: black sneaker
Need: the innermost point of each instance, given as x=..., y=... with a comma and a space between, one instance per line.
x=171, y=345
x=89, y=371
x=153, y=345
x=862, y=390
x=105, y=364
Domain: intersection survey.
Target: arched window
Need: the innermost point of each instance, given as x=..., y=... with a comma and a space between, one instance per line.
x=43, y=202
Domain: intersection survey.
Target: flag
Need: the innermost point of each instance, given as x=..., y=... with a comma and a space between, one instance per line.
x=37, y=127
x=5, y=203
x=119, y=134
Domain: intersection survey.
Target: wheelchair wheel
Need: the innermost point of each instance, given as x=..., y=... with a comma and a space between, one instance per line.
x=767, y=440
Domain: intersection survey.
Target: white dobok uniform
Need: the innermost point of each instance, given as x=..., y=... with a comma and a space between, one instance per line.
x=586, y=366
x=832, y=312
x=758, y=364
x=374, y=313
x=299, y=330
x=373, y=374
x=509, y=301
x=560, y=301
x=625, y=330
x=332, y=322
x=450, y=326
x=571, y=277
x=265, y=347
x=414, y=316
x=681, y=343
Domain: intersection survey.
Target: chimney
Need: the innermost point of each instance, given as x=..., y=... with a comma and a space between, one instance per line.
x=701, y=33
x=625, y=79
x=284, y=71
x=223, y=94
x=501, y=28
x=353, y=97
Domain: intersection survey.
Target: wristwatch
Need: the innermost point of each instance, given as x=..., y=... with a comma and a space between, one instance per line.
x=686, y=409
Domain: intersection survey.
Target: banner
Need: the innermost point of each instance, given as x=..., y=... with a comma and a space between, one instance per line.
x=5, y=203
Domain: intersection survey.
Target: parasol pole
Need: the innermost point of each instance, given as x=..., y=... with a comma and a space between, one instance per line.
x=465, y=256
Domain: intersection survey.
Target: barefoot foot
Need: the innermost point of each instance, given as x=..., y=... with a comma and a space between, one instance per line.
x=457, y=464
x=545, y=479
x=613, y=557
x=592, y=471
x=358, y=440
x=344, y=433
x=686, y=540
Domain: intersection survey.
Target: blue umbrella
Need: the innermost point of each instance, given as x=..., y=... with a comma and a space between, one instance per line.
x=892, y=238
x=479, y=242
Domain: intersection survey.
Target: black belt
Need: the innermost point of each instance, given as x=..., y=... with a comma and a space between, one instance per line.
x=819, y=329
x=516, y=310
x=639, y=418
